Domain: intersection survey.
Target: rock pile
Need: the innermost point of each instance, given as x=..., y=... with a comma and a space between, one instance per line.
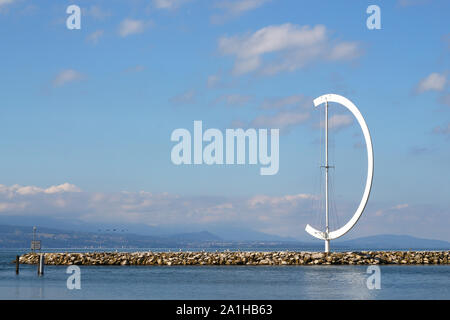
x=241, y=258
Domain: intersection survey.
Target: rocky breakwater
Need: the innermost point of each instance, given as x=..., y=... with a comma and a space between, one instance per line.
x=241, y=258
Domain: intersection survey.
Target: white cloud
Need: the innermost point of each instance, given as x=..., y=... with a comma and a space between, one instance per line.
x=217, y=81
x=271, y=39
x=282, y=120
x=213, y=81
x=291, y=200
x=186, y=97
x=97, y=12
x=288, y=112
x=32, y=190
x=66, y=76
x=4, y=3
x=65, y=187
x=169, y=4
x=129, y=26
x=295, y=47
x=233, y=99
x=392, y=209
x=400, y=206
x=278, y=103
x=95, y=36
x=282, y=113
x=338, y=121
x=432, y=82
x=241, y=6
x=11, y=207
x=345, y=51
x=232, y=9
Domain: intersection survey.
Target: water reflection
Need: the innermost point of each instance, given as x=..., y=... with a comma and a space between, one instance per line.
x=335, y=282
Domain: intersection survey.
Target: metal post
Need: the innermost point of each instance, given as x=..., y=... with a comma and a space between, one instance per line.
x=327, y=241
x=17, y=264
x=41, y=264
x=34, y=238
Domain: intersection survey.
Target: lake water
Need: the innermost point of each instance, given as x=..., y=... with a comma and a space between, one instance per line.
x=223, y=282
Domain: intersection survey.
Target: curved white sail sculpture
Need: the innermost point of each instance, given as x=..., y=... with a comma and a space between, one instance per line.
x=327, y=236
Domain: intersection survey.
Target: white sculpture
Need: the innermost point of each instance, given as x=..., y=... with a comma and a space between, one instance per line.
x=327, y=235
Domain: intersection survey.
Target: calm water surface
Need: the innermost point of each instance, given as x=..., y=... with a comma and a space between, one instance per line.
x=222, y=282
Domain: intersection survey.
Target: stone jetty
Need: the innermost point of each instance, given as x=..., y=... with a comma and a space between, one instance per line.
x=240, y=258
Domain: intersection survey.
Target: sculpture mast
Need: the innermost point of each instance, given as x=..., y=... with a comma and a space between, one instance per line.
x=327, y=240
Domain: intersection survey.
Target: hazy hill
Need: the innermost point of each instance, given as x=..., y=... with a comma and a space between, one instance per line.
x=223, y=231
x=20, y=237
x=392, y=242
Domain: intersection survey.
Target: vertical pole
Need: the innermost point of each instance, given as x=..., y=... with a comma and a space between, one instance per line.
x=17, y=264
x=41, y=264
x=327, y=241
x=34, y=238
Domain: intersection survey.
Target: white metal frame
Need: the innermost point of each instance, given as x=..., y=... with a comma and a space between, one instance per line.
x=327, y=236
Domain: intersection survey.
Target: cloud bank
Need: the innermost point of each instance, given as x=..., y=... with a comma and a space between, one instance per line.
x=67, y=76
x=290, y=46
x=284, y=215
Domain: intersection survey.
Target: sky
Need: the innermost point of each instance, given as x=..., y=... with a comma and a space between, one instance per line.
x=86, y=115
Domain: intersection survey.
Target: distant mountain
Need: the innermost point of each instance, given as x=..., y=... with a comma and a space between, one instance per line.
x=392, y=242
x=235, y=233
x=20, y=237
x=224, y=232
x=195, y=236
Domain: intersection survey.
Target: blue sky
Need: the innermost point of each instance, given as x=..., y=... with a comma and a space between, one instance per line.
x=86, y=115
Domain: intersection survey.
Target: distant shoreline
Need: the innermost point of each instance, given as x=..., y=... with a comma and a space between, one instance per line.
x=150, y=258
